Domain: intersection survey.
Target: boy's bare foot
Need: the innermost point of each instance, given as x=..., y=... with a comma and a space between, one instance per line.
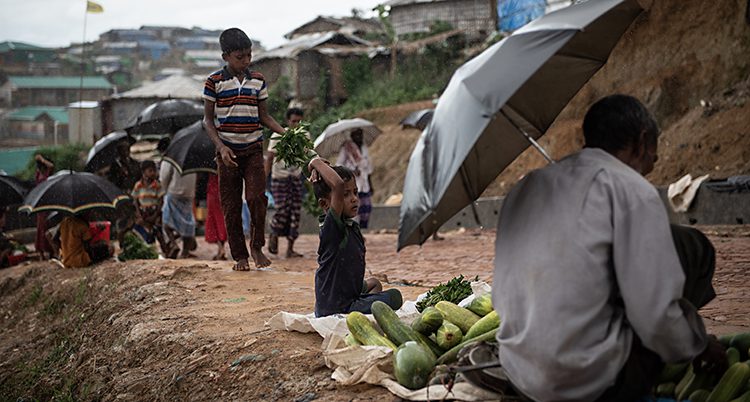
x=219, y=257
x=273, y=244
x=261, y=261
x=293, y=254
x=241, y=265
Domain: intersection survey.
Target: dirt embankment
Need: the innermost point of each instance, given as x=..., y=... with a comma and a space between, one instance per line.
x=686, y=60
x=194, y=330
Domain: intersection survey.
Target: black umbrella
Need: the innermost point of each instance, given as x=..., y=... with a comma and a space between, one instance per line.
x=12, y=190
x=72, y=192
x=419, y=119
x=191, y=150
x=166, y=117
x=104, y=151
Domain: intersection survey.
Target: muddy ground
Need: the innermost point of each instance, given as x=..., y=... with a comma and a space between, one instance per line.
x=171, y=330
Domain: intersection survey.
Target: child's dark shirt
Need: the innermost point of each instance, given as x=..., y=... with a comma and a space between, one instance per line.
x=341, y=265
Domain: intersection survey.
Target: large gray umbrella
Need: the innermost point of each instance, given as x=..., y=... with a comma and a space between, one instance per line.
x=499, y=102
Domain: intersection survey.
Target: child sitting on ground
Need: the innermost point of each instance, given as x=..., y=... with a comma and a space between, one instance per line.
x=339, y=280
x=76, y=249
x=148, y=195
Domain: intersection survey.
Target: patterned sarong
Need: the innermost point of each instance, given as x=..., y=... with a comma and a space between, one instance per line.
x=178, y=214
x=365, y=207
x=287, y=194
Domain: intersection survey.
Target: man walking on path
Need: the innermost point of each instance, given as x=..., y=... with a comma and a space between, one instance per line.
x=177, y=213
x=595, y=289
x=286, y=187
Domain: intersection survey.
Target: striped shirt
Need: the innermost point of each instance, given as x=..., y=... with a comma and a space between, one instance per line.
x=148, y=194
x=236, y=106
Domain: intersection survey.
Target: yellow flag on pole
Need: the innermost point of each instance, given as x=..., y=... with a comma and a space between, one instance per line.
x=92, y=7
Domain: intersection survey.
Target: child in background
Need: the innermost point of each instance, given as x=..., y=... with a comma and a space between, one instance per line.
x=237, y=96
x=75, y=247
x=216, y=230
x=148, y=195
x=340, y=285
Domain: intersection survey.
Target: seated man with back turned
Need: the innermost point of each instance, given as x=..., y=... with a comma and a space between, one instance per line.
x=595, y=289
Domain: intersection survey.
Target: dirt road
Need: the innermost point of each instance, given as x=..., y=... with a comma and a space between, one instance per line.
x=174, y=330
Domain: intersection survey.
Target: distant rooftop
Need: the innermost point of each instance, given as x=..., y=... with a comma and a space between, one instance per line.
x=10, y=45
x=309, y=41
x=31, y=113
x=59, y=82
x=175, y=87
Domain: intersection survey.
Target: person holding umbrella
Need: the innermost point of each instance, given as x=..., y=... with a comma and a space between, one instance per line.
x=594, y=287
x=355, y=156
x=237, y=96
x=123, y=173
x=44, y=169
x=286, y=187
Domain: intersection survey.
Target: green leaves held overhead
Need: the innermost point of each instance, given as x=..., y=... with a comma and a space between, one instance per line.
x=295, y=148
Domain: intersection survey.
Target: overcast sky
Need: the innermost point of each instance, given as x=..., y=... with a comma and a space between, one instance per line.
x=57, y=23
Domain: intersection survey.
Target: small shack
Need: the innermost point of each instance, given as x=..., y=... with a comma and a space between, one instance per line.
x=476, y=18
x=315, y=61
x=359, y=27
x=43, y=124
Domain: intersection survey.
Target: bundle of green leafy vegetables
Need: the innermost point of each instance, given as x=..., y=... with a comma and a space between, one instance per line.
x=134, y=248
x=453, y=291
x=294, y=147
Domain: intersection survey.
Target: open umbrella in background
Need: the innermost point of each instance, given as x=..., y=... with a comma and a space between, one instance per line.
x=12, y=190
x=104, y=151
x=501, y=101
x=330, y=141
x=166, y=117
x=72, y=192
x=191, y=150
x=419, y=119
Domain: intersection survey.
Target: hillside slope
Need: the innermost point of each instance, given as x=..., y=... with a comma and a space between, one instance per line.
x=677, y=54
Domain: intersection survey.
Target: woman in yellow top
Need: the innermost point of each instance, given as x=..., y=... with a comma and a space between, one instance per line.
x=75, y=249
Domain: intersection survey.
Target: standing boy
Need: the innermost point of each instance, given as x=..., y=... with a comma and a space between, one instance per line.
x=286, y=187
x=339, y=280
x=148, y=195
x=237, y=97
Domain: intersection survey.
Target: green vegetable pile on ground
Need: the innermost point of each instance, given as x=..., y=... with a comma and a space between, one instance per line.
x=453, y=291
x=134, y=248
x=433, y=338
x=295, y=148
x=683, y=382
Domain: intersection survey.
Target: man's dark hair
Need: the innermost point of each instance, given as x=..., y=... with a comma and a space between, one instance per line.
x=147, y=164
x=321, y=188
x=294, y=111
x=617, y=122
x=234, y=39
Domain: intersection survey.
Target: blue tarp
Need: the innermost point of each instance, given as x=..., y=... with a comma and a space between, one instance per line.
x=513, y=14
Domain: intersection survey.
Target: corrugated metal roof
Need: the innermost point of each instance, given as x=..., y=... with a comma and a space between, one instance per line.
x=31, y=113
x=309, y=41
x=395, y=3
x=175, y=87
x=11, y=45
x=59, y=82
